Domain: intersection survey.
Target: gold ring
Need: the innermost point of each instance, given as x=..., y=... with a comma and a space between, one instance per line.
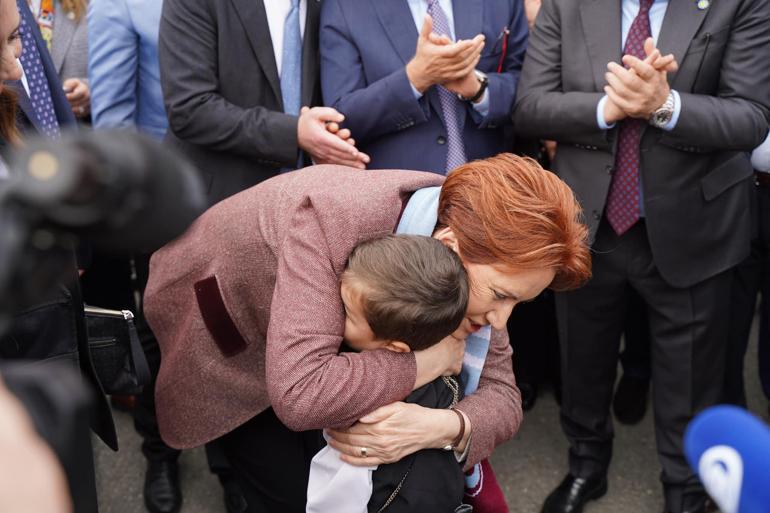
x=364, y=452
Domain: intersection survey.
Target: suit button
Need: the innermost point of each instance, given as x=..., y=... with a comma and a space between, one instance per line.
x=596, y=215
x=441, y=139
x=609, y=169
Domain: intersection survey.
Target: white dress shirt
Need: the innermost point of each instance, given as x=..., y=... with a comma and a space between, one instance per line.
x=276, y=17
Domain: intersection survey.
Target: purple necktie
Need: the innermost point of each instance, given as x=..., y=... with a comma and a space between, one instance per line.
x=623, y=199
x=39, y=93
x=450, y=104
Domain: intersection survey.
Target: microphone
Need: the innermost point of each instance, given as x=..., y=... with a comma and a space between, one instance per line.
x=729, y=449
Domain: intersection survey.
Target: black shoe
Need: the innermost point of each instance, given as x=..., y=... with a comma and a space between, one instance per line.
x=572, y=494
x=528, y=395
x=235, y=502
x=161, y=487
x=630, y=403
x=696, y=503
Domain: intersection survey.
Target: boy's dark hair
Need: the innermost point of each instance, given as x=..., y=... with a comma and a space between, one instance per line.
x=413, y=289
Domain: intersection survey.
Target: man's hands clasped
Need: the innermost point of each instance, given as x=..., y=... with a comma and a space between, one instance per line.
x=639, y=90
x=319, y=134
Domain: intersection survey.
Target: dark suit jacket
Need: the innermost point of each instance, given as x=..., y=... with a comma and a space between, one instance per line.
x=365, y=46
x=267, y=332
x=697, y=178
x=222, y=92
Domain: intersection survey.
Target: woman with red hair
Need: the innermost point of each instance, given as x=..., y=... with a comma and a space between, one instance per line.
x=247, y=312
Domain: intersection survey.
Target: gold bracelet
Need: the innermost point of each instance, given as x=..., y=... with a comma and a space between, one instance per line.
x=459, y=438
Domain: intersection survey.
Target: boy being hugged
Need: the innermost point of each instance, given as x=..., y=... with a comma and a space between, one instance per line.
x=401, y=293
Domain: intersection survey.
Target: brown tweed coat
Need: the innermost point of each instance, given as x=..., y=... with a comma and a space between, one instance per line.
x=247, y=311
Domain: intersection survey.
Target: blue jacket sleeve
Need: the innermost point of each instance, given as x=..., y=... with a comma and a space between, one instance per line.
x=371, y=110
x=113, y=52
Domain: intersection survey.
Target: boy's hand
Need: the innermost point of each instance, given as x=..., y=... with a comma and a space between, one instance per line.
x=443, y=359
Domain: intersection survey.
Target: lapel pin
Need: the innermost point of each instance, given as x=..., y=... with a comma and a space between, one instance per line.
x=703, y=4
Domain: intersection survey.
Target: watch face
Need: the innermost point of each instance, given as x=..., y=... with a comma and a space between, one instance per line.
x=662, y=118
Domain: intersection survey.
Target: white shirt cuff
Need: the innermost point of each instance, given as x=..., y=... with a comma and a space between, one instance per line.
x=760, y=157
x=482, y=107
x=600, y=114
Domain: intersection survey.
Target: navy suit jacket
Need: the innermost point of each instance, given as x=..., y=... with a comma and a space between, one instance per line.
x=365, y=46
x=60, y=104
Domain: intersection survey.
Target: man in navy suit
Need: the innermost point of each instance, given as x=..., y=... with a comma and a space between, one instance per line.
x=423, y=84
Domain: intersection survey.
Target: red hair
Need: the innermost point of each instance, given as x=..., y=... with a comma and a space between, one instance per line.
x=509, y=211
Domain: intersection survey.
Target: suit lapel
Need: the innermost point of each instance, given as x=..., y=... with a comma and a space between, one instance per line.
x=468, y=18
x=682, y=21
x=601, y=28
x=310, y=57
x=397, y=20
x=25, y=105
x=63, y=35
x=254, y=19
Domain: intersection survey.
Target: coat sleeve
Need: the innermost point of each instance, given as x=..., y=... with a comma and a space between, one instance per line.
x=197, y=112
x=385, y=106
x=113, y=56
x=736, y=116
x=543, y=110
x=495, y=408
x=311, y=386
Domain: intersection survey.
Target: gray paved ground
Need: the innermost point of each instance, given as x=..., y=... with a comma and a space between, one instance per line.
x=528, y=466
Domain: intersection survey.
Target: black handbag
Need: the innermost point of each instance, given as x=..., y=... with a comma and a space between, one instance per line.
x=116, y=351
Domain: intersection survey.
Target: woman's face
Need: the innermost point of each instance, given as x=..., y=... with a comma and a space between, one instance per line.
x=10, y=41
x=495, y=291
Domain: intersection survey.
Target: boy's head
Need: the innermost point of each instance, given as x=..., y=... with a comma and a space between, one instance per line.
x=402, y=292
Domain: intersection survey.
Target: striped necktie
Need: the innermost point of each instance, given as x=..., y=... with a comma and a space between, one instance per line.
x=450, y=104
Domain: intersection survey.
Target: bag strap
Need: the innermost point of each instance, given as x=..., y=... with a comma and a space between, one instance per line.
x=137, y=356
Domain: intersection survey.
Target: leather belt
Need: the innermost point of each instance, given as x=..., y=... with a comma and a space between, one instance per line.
x=762, y=179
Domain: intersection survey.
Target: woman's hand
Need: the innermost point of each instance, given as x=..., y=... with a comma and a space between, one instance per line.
x=79, y=96
x=442, y=359
x=394, y=431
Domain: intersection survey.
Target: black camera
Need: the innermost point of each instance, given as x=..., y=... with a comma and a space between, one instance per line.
x=116, y=191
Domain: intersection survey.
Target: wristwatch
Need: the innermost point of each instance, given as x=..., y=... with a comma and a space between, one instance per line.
x=661, y=117
x=483, y=80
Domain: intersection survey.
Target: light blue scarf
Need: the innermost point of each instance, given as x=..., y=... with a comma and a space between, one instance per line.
x=419, y=218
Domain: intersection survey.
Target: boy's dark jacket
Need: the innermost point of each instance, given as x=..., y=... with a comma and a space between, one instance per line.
x=435, y=482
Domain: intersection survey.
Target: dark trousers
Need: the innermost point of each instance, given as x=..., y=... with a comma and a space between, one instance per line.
x=271, y=463
x=751, y=277
x=635, y=357
x=687, y=337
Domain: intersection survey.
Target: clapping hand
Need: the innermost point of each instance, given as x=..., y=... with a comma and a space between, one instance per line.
x=438, y=60
x=638, y=91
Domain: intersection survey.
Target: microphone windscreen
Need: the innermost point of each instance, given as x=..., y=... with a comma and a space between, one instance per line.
x=729, y=448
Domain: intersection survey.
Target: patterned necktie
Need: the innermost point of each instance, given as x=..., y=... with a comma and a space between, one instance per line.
x=291, y=62
x=623, y=200
x=450, y=104
x=39, y=92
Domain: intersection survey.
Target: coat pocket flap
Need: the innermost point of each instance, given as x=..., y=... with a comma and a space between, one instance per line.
x=725, y=175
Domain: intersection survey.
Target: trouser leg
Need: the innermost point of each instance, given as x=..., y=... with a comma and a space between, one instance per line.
x=763, y=203
x=635, y=357
x=746, y=284
x=688, y=332
x=590, y=323
x=271, y=463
